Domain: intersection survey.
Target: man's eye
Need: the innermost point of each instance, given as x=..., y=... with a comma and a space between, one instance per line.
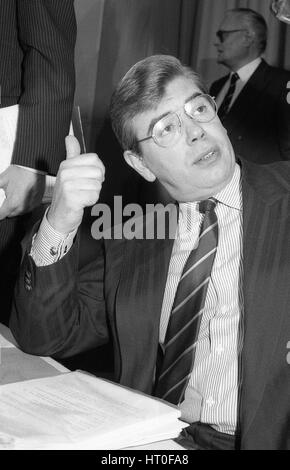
x=201, y=109
x=168, y=129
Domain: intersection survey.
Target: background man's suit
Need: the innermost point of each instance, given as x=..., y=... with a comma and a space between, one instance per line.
x=135, y=273
x=258, y=122
x=37, y=41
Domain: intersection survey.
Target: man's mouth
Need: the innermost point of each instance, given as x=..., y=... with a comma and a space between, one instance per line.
x=207, y=156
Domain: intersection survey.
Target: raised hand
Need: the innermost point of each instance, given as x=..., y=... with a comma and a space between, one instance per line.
x=78, y=185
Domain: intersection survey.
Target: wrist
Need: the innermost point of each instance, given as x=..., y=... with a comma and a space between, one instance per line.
x=60, y=224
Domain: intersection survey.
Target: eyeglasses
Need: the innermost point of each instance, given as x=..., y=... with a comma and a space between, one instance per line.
x=167, y=131
x=222, y=33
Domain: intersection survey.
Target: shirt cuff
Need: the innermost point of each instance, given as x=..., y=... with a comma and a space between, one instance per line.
x=48, y=245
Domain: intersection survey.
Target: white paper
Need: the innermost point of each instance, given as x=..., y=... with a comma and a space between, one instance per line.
x=159, y=445
x=80, y=411
x=8, y=125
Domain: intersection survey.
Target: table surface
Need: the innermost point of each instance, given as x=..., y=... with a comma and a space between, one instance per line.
x=16, y=366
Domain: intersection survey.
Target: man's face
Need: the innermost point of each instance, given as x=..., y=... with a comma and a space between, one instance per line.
x=199, y=164
x=232, y=50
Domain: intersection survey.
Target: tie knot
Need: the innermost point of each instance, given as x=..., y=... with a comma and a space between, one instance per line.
x=234, y=78
x=207, y=205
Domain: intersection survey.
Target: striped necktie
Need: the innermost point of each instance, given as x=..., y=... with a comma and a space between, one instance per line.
x=224, y=107
x=181, y=335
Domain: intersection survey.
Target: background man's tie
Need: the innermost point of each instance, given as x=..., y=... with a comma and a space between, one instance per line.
x=181, y=335
x=224, y=107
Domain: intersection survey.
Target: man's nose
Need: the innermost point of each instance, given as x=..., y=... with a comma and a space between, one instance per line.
x=194, y=130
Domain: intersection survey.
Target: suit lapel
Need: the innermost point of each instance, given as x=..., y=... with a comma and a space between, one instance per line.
x=138, y=308
x=218, y=85
x=263, y=308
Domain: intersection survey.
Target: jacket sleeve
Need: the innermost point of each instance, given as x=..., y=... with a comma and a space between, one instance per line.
x=46, y=34
x=59, y=311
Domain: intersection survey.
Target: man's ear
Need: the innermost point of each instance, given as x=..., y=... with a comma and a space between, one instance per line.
x=249, y=38
x=138, y=164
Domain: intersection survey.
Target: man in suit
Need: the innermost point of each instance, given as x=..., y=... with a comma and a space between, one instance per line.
x=252, y=98
x=233, y=361
x=37, y=40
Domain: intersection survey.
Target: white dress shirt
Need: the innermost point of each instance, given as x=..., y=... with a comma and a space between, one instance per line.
x=212, y=393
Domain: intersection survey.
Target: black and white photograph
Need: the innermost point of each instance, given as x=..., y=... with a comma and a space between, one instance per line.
x=144, y=228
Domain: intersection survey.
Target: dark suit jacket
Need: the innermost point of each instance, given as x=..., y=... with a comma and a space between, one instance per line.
x=37, y=40
x=119, y=295
x=258, y=123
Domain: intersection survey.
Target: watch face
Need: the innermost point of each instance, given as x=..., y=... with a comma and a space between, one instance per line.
x=281, y=9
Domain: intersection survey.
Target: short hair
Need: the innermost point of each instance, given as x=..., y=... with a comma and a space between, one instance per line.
x=142, y=89
x=256, y=23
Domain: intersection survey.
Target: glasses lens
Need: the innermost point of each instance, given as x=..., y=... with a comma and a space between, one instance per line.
x=201, y=108
x=167, y=130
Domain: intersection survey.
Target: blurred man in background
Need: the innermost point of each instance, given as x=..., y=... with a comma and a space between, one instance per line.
x=252, y=98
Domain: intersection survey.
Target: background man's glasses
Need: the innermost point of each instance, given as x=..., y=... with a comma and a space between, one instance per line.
x=167, y=131
x=222, y=34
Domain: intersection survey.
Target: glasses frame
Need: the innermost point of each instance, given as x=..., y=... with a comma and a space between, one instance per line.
x=221, y=32
x=152, y=136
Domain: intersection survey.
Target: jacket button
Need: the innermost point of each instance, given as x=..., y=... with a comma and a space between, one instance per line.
x=53, y=251
x=27, y=280
x=28, y=286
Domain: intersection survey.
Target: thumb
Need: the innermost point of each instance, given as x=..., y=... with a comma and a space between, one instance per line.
x=3, y=179
x=72, y=147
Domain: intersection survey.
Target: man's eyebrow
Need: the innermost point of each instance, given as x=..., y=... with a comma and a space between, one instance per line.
x=194, y=95
x=156, y=119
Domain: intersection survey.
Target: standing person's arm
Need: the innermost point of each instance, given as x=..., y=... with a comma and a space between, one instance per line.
x=46, y=34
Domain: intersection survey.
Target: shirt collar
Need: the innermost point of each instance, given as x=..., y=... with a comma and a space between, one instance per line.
x=231, y=195
x=247, y=70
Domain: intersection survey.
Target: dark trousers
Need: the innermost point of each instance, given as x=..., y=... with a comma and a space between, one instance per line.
x=199, y=436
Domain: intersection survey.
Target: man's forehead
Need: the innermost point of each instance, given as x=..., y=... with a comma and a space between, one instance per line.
x=180, y=88
x=177, y=92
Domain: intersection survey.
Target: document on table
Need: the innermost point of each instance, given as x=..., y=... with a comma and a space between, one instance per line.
x=79, y=411
x=160, y=445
